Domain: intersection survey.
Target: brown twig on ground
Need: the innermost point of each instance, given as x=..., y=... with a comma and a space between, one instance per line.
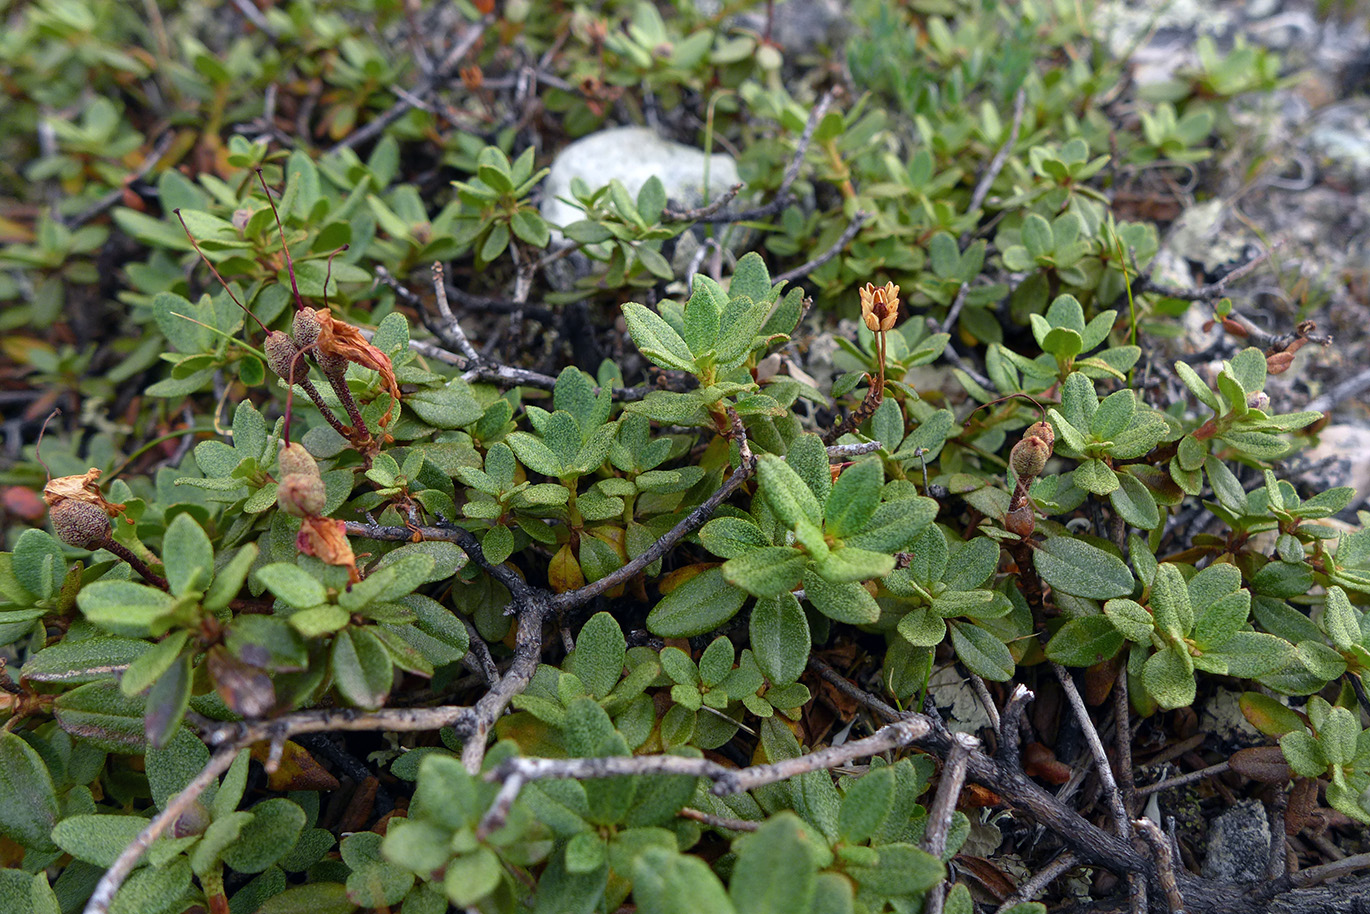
x=943, y=806
x=1165, y=864
x=1122, y=727
x=1029, y=890
x=1096, y=748
x=705, y=818
x=1206, y=293
x=1183, y=779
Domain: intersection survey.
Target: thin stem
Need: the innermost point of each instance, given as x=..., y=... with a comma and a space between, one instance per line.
x=123, y=552
x=1096, y=747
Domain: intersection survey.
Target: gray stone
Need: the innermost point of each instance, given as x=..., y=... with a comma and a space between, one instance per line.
x=1238, y=844
x=800, y=26
x=955, y=697
x=632, y=155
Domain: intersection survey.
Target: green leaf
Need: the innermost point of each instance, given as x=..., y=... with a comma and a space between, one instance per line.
x=776, y=870
x=1170, y=605
x=1135, y=503
x=854, y=497
x=780, y=637
x=389, y=582
x=599, y=654
x=787, y=494
x=1075, y=567
x=1169, y=678
x=667, y=882
x=362, y=669
x=983, y=653
x=848, y=602
x=852, y=564
x=866, y=805
x=292, y=584
x=1086, y=641
x=275, y=828
x=766, y=572
x=125, y=608
x=1131, y=618
x=1339, y=620
x=731, y=537
x=696, y=606
x=38, y=563
x=655, y=338
x=28, y=803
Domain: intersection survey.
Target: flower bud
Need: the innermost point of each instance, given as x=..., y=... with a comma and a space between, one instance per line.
x=1029, y=457
x=282, y=356
x=193, y=821
x=1258, y=399
x=301, y=495
x=80, y=523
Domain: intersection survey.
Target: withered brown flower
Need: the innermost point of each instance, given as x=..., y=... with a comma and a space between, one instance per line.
x=880, y=306
x=326, y=539
x=345, y=341
x=85, y=487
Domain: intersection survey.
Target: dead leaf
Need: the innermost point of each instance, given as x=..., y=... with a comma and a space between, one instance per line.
x=297, y=769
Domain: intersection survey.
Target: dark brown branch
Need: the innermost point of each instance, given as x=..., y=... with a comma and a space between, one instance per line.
x=1183, y=779
x=1206, y=293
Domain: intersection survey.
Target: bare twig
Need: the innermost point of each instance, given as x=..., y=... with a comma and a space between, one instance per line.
x=943, y=806
x=519, y=771
x=996, y=164
x=1183, y=779
x=1210, y=292
x=986, y=701
x=782, y=193
x=804, y=269
x=691, y=215
x=111, y=199
x=1011, y=715
x=706, y=818
x=1122, y=725
x=1352, y=387
x=1165, y=864
x=1040, y=880
x=254, y=16
x=128, y=858
x=454, y=335
x=1315, y=874
x=1096, y=748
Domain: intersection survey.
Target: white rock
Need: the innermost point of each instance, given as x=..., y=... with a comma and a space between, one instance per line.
x=632, y=155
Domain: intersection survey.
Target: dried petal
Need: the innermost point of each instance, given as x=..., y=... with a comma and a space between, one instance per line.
x=85, y=487
x=342, y=340
x=326, y=539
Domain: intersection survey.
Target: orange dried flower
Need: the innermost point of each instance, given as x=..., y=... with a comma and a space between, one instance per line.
x=342, y=340
x=880, y=306
x=326, y=539
x=85, y=487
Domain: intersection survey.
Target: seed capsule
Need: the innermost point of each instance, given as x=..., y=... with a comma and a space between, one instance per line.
x=1042, y=430
x=80, y=524
x=282, y=356
x=1029, y=457
x=305, y=328
x=301, y=495
x=294, y=460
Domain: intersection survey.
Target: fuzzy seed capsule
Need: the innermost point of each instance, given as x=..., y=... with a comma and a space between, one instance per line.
x=305, y=328
x=80, y=523
x=1044, y=431
x=281, y=355
x=301, y=495
x=1029, y=457
x=295, y=460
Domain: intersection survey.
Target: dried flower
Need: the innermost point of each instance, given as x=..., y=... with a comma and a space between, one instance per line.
x=880, y=307
x=343, y=341
x=326, y=539
x=85, y=487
